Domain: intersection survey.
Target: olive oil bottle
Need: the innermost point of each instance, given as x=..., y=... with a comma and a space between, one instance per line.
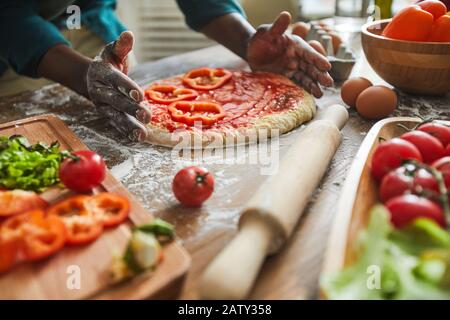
x=383, y=9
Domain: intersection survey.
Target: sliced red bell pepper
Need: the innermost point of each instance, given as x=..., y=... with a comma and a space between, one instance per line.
x=39, y=236
x=18, y=201
x=110, y=209
x=167, y=94
x=206, y=78
x=48, y=239
x=81, y=224
x=9, y=248
x=190, y=112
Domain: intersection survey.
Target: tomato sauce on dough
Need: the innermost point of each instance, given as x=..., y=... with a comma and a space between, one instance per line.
x=245, y=98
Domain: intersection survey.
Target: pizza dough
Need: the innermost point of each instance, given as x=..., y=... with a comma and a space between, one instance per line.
x=257, y=106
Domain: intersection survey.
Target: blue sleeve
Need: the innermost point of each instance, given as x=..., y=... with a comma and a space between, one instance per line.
x=99, y=16
x=199, y=13
x=24, y=36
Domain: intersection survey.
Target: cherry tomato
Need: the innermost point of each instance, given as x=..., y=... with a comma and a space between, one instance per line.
x=430, y=148
x=439, y=131
x=193, y=185
x=83, y=172
x=110, y=209
x=443, y=165
x=18, y=201
x=82, y=225
x=447, y=150
x=396, y=183
x=404, y=209
x=406, y=179
x=389, y=155
x=424, y=180
x=40, y=236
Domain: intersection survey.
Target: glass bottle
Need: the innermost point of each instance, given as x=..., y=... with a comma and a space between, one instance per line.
x=383, y=9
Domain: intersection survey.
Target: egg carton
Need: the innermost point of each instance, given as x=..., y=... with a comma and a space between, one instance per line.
x=342, y=62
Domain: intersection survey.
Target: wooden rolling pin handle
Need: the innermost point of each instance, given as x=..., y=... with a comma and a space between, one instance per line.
x=336, y=113
x=240, y=260
x=261, y=228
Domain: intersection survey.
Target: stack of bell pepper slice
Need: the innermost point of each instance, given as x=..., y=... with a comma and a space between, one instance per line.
x=40, y=233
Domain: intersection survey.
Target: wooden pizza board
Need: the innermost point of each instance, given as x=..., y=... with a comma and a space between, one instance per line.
x=359, y=195
x=56, y=277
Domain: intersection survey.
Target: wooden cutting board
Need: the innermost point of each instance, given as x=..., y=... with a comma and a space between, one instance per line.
x=359, y=195
x=53, y=278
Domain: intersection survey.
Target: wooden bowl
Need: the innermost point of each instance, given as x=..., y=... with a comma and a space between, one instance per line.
x=414, y=67
x=359, y=194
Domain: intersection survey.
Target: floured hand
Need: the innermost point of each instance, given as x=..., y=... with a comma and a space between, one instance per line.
x=272, y=49
x=114, y=93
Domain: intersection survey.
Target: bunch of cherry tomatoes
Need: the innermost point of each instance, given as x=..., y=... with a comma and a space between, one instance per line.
x=414, y=174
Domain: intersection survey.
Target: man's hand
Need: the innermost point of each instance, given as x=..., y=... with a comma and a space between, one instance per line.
x=114, y=93
x=272, y=49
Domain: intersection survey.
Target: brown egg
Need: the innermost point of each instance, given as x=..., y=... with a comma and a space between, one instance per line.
x=376, y=102
x=352, y=88
x=318, y=47
x=301, y=29
x=337, y=40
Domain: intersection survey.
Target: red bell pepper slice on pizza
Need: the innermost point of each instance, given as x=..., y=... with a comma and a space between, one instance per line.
x=192, y=112
x=206, y=78
x=167, y=94
x=82, y=225
x=32, y=236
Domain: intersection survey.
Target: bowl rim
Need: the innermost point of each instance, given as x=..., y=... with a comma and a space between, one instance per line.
x=366, y=32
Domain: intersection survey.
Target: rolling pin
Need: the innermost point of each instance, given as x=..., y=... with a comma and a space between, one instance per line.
x=271, y=214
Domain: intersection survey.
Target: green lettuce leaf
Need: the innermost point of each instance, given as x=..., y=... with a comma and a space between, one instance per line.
x=28, y=167
x=395, y=264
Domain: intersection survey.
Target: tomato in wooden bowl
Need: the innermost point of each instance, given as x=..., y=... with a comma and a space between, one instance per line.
x=412, y=66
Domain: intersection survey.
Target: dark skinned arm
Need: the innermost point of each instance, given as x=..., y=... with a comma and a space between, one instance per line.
x=103, y=80
x=64, y=65
x=271, y=49
x=232, y=31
